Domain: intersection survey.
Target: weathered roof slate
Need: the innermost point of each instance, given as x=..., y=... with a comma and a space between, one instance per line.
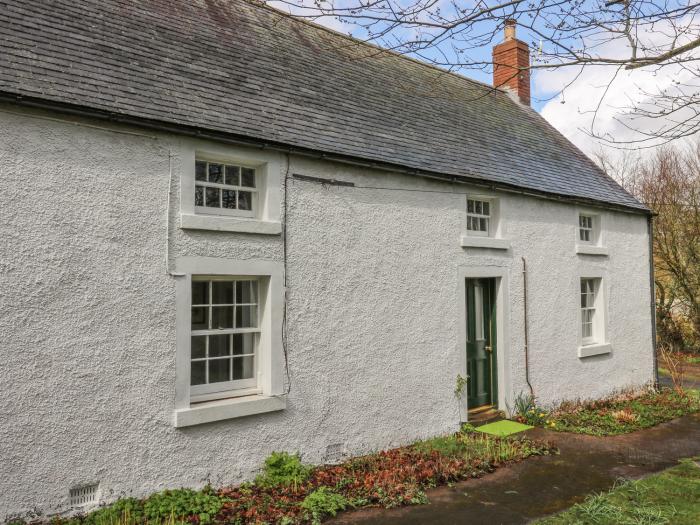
x=235, y=67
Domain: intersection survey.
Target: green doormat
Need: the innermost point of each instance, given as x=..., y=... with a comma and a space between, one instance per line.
x=503, y=428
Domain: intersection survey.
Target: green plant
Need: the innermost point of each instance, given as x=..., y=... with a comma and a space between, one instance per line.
x=323, y=502
x=182, y=503
x=283, y=469
x=460, y=385
x=467, y=428
x=528, y=412
x=124, y=510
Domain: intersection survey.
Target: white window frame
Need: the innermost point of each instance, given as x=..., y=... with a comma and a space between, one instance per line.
x=264, y=218
x=587, y=229
x=193, y=407
x=595, y=245
x=590, y=287
x=492, y=239
x=220, y=210
x=223, y=389
x=598, y=342
x=479, y=216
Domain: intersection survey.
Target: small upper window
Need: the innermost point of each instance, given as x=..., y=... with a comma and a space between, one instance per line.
x=585, y=228
x=478, y=217
x=224, y=189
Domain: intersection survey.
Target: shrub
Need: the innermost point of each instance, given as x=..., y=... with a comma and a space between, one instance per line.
x=282, y=469
x=181, y=503
x=323, y=502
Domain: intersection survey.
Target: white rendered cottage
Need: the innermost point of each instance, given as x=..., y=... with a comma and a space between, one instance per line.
x=227, y=232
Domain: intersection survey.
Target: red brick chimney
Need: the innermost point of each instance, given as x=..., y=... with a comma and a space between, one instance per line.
x=511, y=60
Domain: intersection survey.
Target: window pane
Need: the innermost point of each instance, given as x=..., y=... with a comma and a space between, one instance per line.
x=246, y=316
x=198, y=196
x=486, y=208
x=212, y=198
x=243, y=344
x=197, y=373
x=477, y=207
x=200, y=318
x=199, y=346
x=483, y=225
x=587, y=330
x=219, y=370
x=479, y=312
x=243, y=367
x=246, y=292
x=219, y=345
x=216, y=173
x=222, y=292
x=200, y=292
x=248, y=177
x=221, y=317
x=470, y=206
x=233, y=174
x=200, y=170
x=245, y=200
x=228, y=199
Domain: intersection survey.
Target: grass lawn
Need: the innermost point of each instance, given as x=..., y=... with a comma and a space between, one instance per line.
x=670, y=497
x=612, y=416
x=289, y=492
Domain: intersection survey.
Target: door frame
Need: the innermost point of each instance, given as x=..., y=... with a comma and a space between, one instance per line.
x=502, y=319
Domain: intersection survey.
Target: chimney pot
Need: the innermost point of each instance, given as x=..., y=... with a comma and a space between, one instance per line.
x=511, y=64
x=510, y=29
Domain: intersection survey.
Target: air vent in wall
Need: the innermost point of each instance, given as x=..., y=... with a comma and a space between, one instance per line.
x=334, y=453
x=84, y=495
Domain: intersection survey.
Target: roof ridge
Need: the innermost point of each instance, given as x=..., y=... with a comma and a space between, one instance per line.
x=316, y=25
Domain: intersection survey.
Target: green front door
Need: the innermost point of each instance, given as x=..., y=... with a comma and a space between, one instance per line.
x=481, y=342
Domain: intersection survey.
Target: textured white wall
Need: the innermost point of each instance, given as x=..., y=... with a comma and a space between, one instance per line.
x=87, y=324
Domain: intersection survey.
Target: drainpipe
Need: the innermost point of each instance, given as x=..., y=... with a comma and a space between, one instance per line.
x=652, y=287
x=527, y=364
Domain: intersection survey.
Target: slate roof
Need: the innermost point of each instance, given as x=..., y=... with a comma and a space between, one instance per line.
x=236, y=67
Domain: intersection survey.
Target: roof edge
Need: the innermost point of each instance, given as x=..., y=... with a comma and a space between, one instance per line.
x=247, y=141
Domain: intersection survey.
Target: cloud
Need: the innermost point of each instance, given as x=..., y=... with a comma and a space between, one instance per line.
x=593, y=106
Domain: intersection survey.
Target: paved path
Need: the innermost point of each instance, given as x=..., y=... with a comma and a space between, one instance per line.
x=545, y=485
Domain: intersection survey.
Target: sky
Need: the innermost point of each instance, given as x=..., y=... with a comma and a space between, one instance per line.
x=583, y=104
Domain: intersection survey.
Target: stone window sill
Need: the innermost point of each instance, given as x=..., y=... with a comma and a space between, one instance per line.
x=468, y=241
x=229, y=224
x=585, y=249
x=595, y=349
x=223, y=409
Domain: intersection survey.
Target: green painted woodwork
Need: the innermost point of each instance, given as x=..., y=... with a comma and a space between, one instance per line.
x=481, y=342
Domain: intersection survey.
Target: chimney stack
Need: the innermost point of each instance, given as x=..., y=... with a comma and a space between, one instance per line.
x=511, y=60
